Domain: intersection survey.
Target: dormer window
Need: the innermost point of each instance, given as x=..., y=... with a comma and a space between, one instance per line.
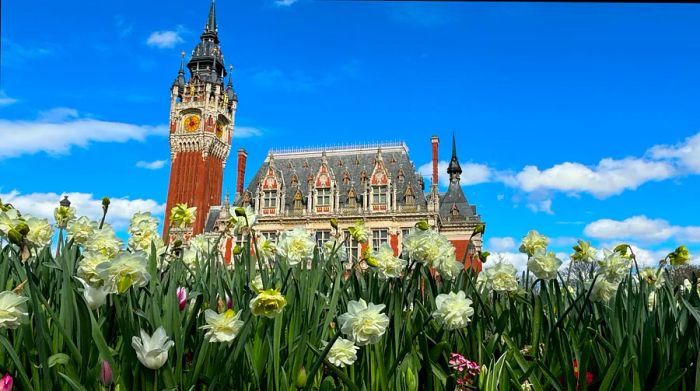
x=269, y=199
x=323, y=196
x=400, y=177
x=294, y=180
x=379, y=195
x=297, y=200
x=352, y=199
x=363, y=177
x=346, y=177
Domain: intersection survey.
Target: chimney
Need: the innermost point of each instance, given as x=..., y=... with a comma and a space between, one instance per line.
x=434, y=140
x=240, y=179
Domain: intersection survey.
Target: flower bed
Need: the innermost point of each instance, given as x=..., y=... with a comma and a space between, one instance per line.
x=96, y=315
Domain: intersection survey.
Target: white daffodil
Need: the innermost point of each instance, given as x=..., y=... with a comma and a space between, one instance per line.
x=654, y=278
x=614, y=266
x=364, y=322
x=40, y=231
x=532, y=242
x=222, y=327
x=8, y=219
x=266, y=249
x=182, y=216
x=103, y=241
x=152, y=351
x=359, y=232
x=296, y=246
x=544, y=264
x=201, y=244
x=13, y=311
x=501, y=277
x=124, y=271
x=342, y=353
x=603, y=290
x=431, y=247
x=95, y=297
x=87, y=267
x=387, y=264
x=453, y=310
x=80, y=230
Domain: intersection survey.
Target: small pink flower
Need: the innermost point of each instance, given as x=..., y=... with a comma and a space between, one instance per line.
x=182, y=297
x=6, y=383
x=106, y=373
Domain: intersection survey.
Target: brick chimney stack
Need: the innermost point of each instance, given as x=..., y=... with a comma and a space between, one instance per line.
x=435, y=141
x=240, y=178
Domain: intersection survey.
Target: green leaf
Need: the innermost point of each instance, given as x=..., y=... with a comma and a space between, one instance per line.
x=58, y=359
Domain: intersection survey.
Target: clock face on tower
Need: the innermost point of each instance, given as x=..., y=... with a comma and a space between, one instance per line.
x=219, y=129
x=191, y=123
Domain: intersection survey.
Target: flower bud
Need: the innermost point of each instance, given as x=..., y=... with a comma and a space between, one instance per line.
x=105, y=201
x=423, y=225
x=411, y=383
x=483, y=256
x=22, y=228
x=372, y=261
x=300, y=380
x=181, y=297
x=14, y=236
x=6, y=383
x=679, y=256
x=240, y=212
x=106, y=373
x=334, y=223
x=237, y=249
x=177, y=243
x=622, y=249
x=479, y=229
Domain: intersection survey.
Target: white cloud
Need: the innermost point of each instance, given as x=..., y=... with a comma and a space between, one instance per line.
x=609, y=177
x=519, y=260
x=246, y=131
x=58, y=130
x=500, y=244
x=687, y=153
x=154, y=165
x=472, y=173
x=6, y=100
x=643, y=229
x=164, y=39
x=284, y=3
x=86, y=204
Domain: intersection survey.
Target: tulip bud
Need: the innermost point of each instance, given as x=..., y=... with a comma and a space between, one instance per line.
x=301, y=378
x=6, y=383
x=334, y=223
x=22, y=228
x=240, y=212
x=423, y=225
x=105, y=201
x=181, y=297
x=106, y=373
x=14, y=236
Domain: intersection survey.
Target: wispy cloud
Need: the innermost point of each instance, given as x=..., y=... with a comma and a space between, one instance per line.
x=472, y=173
x=123, y=27
x=58, y=130
x=154, y=165
x=6, y=100
x=165, y=39
x=120, y=208
x=246, y=132
x=501, y=244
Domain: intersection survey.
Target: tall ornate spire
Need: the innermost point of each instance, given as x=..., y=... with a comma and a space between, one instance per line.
x=454, y=169
x=207, y=60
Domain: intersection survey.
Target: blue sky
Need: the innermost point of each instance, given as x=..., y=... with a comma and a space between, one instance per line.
x=579, y=120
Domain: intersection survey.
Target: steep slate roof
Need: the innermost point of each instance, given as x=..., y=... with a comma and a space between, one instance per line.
x=354, y=160
x=454, y=197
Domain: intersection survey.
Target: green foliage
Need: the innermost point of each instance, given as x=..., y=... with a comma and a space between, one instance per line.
x=543, y=334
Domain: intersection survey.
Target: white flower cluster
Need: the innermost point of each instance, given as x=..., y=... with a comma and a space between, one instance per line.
x=37, y=232
x=500, y=278
x=387, y=264
x=453, y=310
x=143, y=231
x=364, y=323
x=296, y=246
x=433, y=249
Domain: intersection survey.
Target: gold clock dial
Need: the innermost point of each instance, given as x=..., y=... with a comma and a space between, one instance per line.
x=219, y=129
x=191, y=123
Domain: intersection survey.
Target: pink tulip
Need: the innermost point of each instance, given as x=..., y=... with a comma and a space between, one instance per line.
x=182, y=297
x=6, y=383
x=106, y=374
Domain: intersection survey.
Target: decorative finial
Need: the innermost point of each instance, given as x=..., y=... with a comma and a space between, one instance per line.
x=65, y=202
x=226, y=198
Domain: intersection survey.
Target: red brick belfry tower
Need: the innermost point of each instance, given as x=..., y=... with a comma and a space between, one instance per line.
x=202, y=114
